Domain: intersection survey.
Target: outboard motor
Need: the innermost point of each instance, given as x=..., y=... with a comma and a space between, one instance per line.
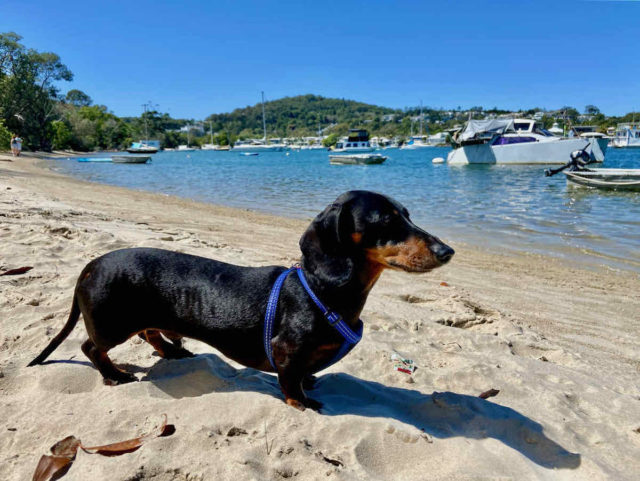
x=579, y=161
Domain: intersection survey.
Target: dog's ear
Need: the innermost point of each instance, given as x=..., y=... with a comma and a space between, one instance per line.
x=325, y=251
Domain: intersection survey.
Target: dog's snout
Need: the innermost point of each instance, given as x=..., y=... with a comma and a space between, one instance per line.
x=442, y=252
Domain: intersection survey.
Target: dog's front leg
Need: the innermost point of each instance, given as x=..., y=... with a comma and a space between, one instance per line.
x=292, y=369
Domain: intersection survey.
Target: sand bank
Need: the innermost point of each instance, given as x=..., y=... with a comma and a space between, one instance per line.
x=561, y=343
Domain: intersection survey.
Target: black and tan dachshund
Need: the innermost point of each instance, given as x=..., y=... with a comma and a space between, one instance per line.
x=156, y=293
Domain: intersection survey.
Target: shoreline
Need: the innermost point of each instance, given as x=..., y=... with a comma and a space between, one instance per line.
x=560, y=341
x=568, y=256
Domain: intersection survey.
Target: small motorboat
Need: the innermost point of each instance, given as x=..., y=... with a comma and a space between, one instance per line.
x=357, y=159
x=249, y=154
x=578, y=174
x=93, y=159
x=130, y=159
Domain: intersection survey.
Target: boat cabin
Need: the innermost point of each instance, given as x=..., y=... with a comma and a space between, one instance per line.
x=627, y=135
x=358, y=140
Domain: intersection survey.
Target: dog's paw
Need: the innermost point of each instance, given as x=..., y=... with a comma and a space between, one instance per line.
x=302, y=405
x=125, y=378
x=295, y=404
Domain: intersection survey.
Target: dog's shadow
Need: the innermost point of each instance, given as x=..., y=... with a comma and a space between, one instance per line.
x=440, y=414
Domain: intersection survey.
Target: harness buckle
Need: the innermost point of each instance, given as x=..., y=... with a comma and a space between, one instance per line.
x=333, y=317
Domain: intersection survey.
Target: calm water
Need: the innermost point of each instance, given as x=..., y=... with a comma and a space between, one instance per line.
x=498, y=207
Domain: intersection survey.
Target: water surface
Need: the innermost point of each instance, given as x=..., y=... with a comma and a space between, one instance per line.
x=494, y=206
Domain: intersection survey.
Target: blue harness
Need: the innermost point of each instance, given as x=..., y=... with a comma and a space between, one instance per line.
x=351, y=338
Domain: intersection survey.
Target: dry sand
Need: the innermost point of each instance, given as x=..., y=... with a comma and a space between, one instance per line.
x=561, y=343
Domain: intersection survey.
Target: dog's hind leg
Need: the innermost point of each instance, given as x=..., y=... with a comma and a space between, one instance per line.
x=111, y=374
x=166, y=350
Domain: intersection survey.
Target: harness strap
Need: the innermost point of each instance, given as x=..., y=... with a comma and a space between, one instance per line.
x=351, y=337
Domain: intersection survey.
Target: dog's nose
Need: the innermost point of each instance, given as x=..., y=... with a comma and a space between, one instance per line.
x=442, y=252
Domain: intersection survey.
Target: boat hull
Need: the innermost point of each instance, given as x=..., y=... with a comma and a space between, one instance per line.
x=130, y=159
x=357, y=159
x=258, y=148
x=150, y=150
x=553, y=152
x=605, y=179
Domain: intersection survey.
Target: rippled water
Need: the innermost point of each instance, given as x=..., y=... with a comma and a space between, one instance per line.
x=495, y=206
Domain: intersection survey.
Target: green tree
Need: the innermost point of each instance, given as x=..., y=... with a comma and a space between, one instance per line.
x=5, y=137
x=330, y=140
x=61, y=135
x=78, y=98
x=28, y=94
x=591, y=110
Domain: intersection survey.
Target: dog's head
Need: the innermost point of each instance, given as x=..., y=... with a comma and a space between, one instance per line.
x=366, y=227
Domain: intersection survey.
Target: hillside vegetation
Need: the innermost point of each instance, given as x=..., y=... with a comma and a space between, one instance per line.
x=298, y=116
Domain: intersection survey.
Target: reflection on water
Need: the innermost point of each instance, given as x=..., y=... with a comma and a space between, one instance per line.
x=497, y=206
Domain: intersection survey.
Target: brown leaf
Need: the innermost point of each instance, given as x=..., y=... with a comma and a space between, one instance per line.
x=56, y=466
x=51, y=467
x=131, y=445
x=16, y=271
x=489, y=393
x=64, y=451
x=444, y=284
x=67, y=447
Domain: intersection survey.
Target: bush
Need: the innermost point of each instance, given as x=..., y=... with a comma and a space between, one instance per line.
x=5, y=137
x=61, y=135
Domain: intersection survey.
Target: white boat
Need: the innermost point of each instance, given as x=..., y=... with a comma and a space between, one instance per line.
x=417, y=141
x=608, y=179
x=130, y=159
x=185, y=148
x=512, y=141
x=210, y=145
x=261, y=145
x=144, y=147
x=357, y=159
x=627, y=135
x=599, y=141
x=356, y=142
x=257, y=146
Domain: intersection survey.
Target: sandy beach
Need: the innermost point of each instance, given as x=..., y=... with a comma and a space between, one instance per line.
x=560, y=341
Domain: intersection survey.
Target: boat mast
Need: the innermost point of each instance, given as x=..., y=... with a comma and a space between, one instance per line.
x=147, y=108
x=211, y=131
x=264, y=121
x=144, y=118
x=420, y=117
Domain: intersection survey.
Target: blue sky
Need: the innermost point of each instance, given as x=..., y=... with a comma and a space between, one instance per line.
x=194, y=58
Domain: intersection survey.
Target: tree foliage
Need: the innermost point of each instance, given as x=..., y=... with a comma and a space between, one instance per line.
x=78, y=98
x=27, y=91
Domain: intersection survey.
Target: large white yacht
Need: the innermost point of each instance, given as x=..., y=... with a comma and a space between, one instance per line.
x=627, y=135
x=512, y=141
x=260, y=145
x=357, y=142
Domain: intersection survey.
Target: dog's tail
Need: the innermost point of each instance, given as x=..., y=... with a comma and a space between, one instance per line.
x=62, y=335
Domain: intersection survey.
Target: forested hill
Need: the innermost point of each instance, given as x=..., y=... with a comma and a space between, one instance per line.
x=298, y=116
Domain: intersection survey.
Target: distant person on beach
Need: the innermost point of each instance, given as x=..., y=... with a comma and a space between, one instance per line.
x=16, y=145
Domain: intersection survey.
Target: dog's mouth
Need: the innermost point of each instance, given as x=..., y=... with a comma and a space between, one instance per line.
x=398, y=266
x=414, y=256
